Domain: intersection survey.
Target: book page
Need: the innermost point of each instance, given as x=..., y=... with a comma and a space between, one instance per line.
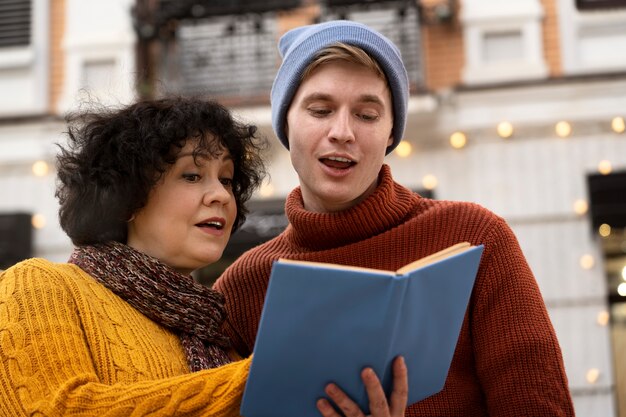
x=442, y=254
x=449, y=251
x=337, y=266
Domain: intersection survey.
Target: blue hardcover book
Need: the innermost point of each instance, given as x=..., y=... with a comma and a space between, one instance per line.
x=324, y=323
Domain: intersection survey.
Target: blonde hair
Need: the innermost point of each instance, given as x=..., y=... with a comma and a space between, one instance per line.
x=340, y=51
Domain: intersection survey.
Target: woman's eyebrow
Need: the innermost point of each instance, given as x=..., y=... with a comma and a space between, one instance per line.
x=205, y=155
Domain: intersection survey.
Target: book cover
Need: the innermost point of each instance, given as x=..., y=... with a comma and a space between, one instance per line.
x=324, y=323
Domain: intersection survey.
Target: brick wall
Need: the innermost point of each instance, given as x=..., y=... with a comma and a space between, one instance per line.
x=551, y=40
x=57, y=30
x=442, y=51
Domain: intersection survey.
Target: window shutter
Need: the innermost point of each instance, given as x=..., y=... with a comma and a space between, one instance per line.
x=15, y=22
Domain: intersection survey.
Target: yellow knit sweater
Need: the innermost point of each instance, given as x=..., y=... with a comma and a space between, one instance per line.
x=71, y=347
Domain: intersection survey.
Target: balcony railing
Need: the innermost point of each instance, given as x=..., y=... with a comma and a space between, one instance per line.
x=397, y=20
x=234, y=56
x=229, y=56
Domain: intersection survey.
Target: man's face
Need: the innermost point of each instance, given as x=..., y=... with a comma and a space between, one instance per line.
x=339, y=126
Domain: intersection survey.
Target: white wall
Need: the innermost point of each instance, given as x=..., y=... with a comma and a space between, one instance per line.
x=99, y=53
x=592, y=41
x=24, y=69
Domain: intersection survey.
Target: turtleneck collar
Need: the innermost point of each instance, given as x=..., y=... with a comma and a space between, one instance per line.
x=386, y=207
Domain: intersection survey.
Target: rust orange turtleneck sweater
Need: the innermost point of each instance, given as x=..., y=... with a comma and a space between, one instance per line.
x=507, y=362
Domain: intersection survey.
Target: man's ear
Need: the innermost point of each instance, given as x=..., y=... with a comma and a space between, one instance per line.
x=390, y=140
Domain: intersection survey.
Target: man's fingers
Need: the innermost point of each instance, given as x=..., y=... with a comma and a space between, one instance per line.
x=345, y=404
x=400, y=393
x=376, y=394
x=379, y=407
x=325, y=408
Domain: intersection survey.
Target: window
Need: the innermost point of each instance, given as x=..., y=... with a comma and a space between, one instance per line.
x=15, y=22
x=16, y=238
x=599, y=4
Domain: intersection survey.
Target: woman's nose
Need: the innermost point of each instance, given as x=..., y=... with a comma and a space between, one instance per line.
x=218, y=193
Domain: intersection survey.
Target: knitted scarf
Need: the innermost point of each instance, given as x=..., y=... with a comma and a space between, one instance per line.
x=191, y=310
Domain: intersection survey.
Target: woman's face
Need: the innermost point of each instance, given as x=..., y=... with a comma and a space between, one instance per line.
x=190, y=212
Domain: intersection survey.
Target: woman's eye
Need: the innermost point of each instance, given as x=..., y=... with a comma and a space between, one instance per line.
x=227, y=182
x=191, y=177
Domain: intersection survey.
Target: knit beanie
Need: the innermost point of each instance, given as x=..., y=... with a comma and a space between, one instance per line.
x=299, y=46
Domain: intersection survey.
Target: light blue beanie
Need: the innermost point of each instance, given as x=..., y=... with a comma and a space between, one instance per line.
x=299, y=46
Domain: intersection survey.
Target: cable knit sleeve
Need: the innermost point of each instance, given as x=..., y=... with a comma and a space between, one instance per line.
x=48, y=366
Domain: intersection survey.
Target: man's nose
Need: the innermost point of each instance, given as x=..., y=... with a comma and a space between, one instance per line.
x=342, y=129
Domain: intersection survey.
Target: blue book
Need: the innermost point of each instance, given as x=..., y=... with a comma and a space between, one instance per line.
x=324, y=323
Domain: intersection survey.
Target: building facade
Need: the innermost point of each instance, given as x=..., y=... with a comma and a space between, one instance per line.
x=518, y=106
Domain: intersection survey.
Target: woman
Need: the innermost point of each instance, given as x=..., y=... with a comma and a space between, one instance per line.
x=148, y=194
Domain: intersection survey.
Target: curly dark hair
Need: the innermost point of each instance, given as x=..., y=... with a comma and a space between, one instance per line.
x=114, y=157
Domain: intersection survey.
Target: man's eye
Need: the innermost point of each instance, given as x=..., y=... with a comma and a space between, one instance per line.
x=319, y=112
x=191, y=177
x=368, y=117
x=227, y=182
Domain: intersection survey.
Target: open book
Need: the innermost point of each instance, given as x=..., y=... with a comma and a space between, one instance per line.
x=325, y=322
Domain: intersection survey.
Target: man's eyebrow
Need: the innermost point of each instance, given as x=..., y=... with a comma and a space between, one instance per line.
x=317, y=97
x=364, y=98
x=370, y=98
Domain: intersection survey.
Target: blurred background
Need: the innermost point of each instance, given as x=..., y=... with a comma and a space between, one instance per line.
x=517, y=105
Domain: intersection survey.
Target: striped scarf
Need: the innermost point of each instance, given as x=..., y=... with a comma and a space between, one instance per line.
x=191, y=310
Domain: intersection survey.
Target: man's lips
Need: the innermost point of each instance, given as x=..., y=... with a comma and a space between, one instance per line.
x=338, y=162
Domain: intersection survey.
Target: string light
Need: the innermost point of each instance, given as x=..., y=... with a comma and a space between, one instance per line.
x=40, y=168
x=586, y=261
x=505, y=130
x=404, y=149
x=604, y=167
x=581, y=207
x=618, y=125
x=429, y=182
x=267, y=190
x=621, y=289
x=563, y=129
x=604, y=230
x=38, y=221
x=603, y=318
x=458, y=140
x=593, y=375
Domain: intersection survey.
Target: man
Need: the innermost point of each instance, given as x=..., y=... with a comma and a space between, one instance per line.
x=339, y=104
